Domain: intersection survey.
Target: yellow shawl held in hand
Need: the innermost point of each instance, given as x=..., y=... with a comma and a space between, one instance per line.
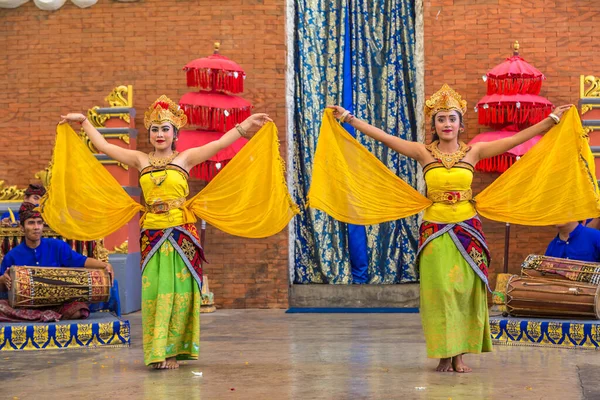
x=248, y=198
x=554, y=183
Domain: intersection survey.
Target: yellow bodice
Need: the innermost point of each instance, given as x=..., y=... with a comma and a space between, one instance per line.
x=173, y=187
x=455, y=179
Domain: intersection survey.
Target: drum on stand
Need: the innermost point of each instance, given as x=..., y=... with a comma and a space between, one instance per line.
x=50, y=286
x=538, y=297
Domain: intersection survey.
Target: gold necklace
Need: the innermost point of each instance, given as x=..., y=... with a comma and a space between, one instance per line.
x=448, y=159
x=161, y=162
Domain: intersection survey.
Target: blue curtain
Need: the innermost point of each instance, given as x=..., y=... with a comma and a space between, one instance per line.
x=380, y=35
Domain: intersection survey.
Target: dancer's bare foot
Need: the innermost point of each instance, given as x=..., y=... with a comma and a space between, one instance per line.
x=445, y=365
x=459, y=365
x=172, y=363
x=159, y=365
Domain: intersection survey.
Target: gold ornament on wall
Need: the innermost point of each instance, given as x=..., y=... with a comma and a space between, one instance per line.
x=11, y=193
x=120, y=97
x=589, y=87
x=122, y=248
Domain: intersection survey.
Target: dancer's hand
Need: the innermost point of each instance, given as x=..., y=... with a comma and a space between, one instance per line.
x=253, y=123
x=338, y=111
x=560, y=110
x=72, y=117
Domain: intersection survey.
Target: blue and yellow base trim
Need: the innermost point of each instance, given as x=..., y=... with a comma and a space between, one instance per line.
x=102, y=329
x=546, y=333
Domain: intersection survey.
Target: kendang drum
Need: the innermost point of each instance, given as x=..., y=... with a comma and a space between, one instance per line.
x=561, y=268
x=50, y=286
x=537, y=297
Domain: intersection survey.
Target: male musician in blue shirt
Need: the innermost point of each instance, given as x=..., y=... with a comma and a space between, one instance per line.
x=575, y=242
x=38, y=251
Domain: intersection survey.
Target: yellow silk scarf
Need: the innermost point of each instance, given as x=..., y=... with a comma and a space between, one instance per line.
x=554, y=183
x=248, y=198
x=352, y=185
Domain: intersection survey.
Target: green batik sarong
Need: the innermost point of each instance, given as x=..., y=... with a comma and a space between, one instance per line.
x=453, y=306
x=170, y=308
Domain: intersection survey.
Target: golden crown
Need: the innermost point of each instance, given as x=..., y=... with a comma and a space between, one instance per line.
x=445, y=99
x=165, y=110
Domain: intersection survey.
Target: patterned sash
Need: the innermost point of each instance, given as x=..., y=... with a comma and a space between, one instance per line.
x=183, y=238
x=469, y=240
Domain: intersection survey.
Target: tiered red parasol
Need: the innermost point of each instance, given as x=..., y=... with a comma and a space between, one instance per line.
x=215, y=73
x=523, y=109
x=512, y=103
x=514, y=76
x=213, y=110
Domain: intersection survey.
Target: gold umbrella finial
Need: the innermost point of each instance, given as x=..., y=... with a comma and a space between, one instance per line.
x=516, y=48
x=217, y=47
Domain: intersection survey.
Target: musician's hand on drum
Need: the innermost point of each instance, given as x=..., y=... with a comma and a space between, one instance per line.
x=5, y=279
x=110, y=271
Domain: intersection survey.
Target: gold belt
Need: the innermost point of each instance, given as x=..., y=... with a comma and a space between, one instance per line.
x=161, y=207
x=439, y=196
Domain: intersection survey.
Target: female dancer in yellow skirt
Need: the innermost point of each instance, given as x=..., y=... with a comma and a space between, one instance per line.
x=235, y=201
x=453, y=255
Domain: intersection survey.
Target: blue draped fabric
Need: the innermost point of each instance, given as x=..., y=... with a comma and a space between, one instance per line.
x=381, y=49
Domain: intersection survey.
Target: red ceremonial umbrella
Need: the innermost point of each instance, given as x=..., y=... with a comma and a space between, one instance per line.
x=214, y=111
x=208, y=169
x=522, y=109
x=215, y=72
x=512, y=103
x=514, y=75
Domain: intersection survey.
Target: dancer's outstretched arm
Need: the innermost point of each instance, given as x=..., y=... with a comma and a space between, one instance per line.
x=410, y=149
x=133, y=158
x=497, y=147
x=197, y=155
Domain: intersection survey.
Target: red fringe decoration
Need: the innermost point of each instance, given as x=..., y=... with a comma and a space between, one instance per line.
x=214, y=119
x=207, y=170
x=216, y=80
x=514, y=85
x=496, y=164
x=509, y=114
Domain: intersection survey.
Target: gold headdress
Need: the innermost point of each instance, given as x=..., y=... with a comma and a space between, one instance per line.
x=165, y=110
x=445, y=99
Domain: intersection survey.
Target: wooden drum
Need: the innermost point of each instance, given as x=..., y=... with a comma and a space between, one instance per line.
x=561, y=268
x=538, y=297
x=50, y=286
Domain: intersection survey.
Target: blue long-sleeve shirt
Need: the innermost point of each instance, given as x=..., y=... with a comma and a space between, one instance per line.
x=583, y=245
x=50, y=253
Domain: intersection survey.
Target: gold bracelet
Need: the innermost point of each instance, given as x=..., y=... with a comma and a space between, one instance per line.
x=344, y=115
x=241, y=131
x=555, y=118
